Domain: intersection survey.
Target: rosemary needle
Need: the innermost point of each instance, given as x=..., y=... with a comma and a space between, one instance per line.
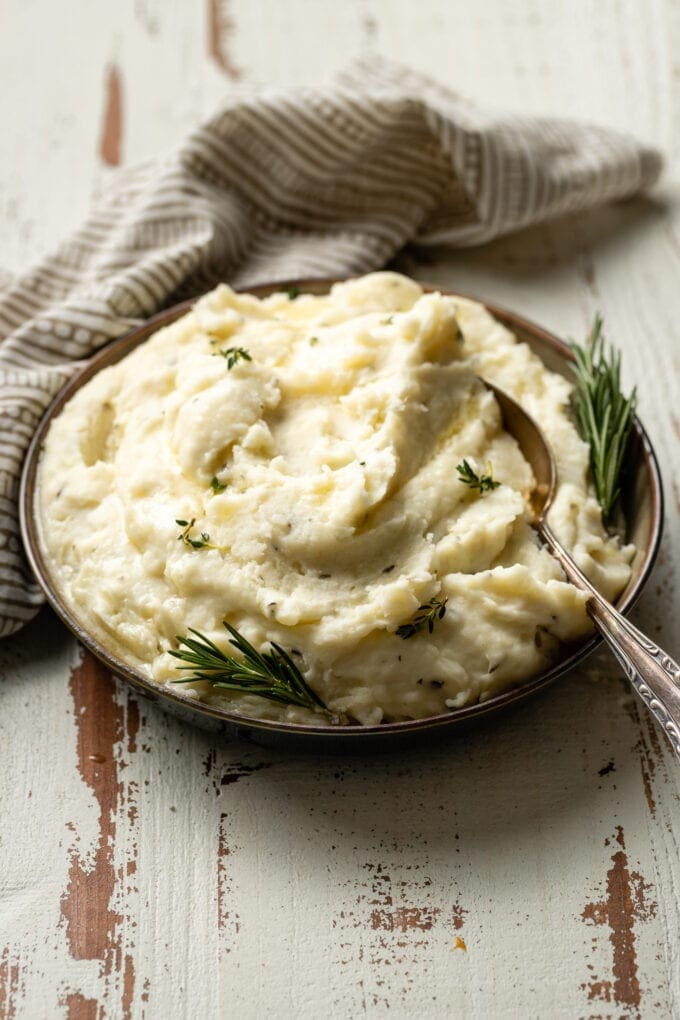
x=604, y=416
x=272, y=675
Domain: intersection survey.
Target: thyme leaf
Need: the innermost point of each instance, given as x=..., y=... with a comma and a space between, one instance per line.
x=216, y=485
x=193, y=543
x=426, y=616
x=234, y=355
x=470, y=477
x=272, y=675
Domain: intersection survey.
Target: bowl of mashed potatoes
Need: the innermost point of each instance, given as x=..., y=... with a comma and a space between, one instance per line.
x=321, y=466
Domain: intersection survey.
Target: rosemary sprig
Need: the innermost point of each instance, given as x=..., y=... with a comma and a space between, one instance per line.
x=194, y=543
x=426, y=616
x=234, y=355
x=604, y=416
x=470, y=477
x=272, y=675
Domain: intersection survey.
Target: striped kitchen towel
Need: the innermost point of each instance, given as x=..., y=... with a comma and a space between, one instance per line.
x=306, y=183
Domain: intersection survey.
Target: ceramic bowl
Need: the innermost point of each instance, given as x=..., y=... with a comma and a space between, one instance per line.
x=641, y=524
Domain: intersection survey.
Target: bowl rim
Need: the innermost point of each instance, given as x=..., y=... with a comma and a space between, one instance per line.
x=114, y=350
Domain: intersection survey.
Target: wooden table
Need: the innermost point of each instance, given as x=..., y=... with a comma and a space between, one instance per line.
x=528, y=869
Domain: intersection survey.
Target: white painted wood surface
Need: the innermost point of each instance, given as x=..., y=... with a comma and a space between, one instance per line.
x=529, y=869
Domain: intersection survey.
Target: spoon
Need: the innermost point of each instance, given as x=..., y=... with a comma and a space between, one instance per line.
x=652, y=672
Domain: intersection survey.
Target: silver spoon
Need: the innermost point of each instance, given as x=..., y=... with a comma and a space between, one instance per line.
x=654, y=675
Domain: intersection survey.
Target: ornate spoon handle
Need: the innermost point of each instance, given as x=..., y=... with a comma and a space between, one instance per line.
x=653, y=674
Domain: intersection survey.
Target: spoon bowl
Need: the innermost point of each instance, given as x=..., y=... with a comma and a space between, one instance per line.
x=535, y=448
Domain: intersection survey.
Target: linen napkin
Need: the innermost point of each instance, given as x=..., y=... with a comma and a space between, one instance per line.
x=306, y=183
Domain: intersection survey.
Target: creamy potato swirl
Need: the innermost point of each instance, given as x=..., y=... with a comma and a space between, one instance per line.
x=324, y=470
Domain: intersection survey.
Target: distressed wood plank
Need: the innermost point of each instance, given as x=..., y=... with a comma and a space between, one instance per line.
x=531, y=867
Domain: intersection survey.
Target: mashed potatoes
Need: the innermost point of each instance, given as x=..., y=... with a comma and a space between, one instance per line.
x=311, y=444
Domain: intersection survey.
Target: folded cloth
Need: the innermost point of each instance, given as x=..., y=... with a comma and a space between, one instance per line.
x=309, y=183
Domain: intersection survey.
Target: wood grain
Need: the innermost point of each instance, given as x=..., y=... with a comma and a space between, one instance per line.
x=530, y=868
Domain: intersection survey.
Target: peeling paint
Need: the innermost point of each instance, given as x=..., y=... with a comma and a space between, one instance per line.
x=128, y=986
x=222, y=851
x=393, y=923
x=78, y=1007
x=105, y=728
x=405, y=918
x=233, y=772
x=112, y=119
x=601, y=990
x=627, y=900
x=221, y=27
x=209, y=761
x=10, y=985
x=458, y=916
x=226, y=917
x=90, y=922
x=221, y=777
x=230, y=773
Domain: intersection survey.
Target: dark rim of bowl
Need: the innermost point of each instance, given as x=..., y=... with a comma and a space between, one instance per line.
x=116, y=349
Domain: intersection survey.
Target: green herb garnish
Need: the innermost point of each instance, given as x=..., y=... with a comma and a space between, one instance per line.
x=234, y=355
x=292, y=293
x=313, y=341
x=388, y=321
x=216, y=485
x=426, y=616
x=604, y=416
x=272, y=675
x=469, y=477
x=193, y=543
